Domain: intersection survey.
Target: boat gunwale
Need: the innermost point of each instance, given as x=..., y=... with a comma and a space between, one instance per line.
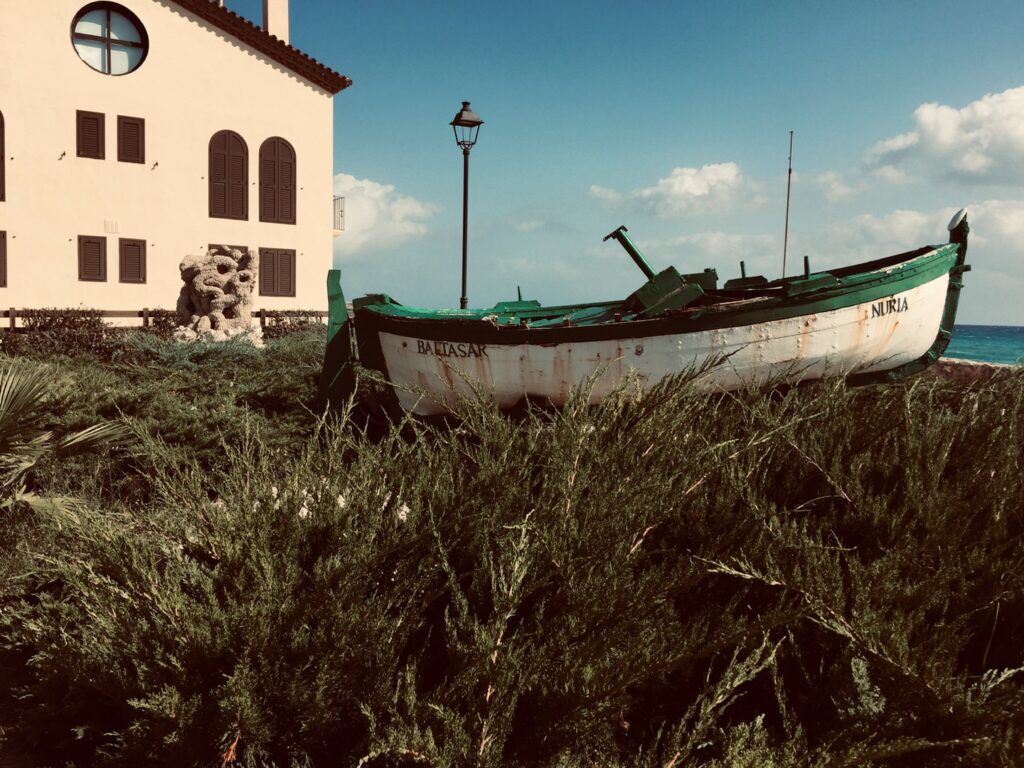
x=857, y=288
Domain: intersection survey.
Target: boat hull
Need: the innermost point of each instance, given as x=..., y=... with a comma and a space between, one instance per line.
x=876, y=321
x=877, y=335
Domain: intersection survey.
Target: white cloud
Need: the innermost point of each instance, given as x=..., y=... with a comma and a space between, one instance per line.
x=891, y=174
x=603, y=193
x=723, y=250
x=714, y=244
x=996, y=251
x=1000, y=223
x=833, y=187
x=541, y=225
x=867, y=236
x=894, y=149
x=376, y=216
x=997, y=228
x=982, y=142
x=712, y=187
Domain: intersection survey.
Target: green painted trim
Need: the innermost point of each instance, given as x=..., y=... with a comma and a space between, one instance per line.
x=337, y=308
x=469, y=326
x=337, y=378
x=526, y=323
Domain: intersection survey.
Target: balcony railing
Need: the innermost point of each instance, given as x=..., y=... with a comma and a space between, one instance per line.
x=339, y=213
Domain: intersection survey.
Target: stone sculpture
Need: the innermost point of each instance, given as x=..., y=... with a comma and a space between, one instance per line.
x=215, y=303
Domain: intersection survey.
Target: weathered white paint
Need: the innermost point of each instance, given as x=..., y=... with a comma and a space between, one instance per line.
x=801, y=348
x=196, y=80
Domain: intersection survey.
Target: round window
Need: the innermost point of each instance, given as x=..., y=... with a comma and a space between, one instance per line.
x=109, y=38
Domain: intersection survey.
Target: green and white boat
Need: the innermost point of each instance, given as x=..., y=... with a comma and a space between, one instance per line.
x=877, y=321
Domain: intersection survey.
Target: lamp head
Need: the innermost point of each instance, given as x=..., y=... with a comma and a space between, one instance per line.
x=466, y=125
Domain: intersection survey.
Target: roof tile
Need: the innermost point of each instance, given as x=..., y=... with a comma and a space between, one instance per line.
x=266, y=43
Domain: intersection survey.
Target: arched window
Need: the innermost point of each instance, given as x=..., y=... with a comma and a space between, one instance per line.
x=229, y=176
x=277, y=181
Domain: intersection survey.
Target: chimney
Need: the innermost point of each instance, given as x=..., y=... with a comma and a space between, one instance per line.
x=275, y=18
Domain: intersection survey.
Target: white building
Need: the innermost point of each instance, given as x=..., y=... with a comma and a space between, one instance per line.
x=133, y=133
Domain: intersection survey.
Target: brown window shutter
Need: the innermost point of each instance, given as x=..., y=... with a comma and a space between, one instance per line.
x=229, y=176
x=131, y=139
x=285, y=273
x=219, y=198
x=277, y=181
x=268, y=272
x=286, y=198
x=132, y=260
x=92, y=258
x=218, y=176
x=3, y=259
x=90, y=136
x=277, y=272
x=238, y=181
x=268, y=185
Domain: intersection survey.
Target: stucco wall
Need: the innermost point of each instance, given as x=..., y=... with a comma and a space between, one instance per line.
x=195, y=81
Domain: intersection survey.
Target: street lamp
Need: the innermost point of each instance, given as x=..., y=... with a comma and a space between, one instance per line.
x=466, y=126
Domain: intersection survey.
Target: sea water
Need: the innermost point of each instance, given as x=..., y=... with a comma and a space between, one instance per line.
x=987, y=343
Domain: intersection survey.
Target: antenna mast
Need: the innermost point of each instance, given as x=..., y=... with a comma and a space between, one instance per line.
x=789, y=185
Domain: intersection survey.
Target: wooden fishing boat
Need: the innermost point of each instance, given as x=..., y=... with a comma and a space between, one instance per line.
x=876, y=321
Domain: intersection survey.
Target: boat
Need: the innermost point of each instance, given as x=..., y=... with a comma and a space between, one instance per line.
x=872, y=322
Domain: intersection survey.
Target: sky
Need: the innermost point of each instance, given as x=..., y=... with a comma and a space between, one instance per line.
x=671, y=118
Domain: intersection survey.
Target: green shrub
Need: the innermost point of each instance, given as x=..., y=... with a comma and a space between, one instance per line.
x=49, y=332
x=163, y=322
x=196, y=397
x=824, y=577
x=278, y=323
x=45, y=333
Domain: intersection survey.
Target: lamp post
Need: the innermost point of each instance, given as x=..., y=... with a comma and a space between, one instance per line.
x=466, y=126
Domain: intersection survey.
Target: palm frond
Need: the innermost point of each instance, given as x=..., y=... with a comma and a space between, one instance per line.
x=23, y=391
x=104, y=435
x=58, y=506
